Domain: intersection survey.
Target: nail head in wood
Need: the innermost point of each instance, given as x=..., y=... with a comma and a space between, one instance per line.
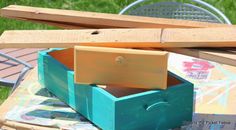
x=120, y=60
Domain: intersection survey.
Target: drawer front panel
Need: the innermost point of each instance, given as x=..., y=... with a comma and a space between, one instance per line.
x=161, y=110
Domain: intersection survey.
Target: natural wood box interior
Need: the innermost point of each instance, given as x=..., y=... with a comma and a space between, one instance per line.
x=66, y=57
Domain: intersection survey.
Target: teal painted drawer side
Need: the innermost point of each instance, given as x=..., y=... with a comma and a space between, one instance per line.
x=85, y=99
x=50, y=71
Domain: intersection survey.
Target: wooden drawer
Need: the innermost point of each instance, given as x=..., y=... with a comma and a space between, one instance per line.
x=118, y=108
x=130, y=68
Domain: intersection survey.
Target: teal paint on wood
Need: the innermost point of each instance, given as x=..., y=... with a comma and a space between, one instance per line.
x=153, y=109
x=167, y=109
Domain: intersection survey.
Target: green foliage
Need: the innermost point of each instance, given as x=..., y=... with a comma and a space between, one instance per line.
x=228, y=7
x=4, y=92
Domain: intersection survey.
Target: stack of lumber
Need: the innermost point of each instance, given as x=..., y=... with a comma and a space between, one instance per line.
x=111, y=30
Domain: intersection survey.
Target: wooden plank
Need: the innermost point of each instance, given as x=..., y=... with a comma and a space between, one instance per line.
x=56, y=24
x=135, y=22
x=200, y=37
x=121, y=67
x=122, y=38
x=220, y=56
x=98, y=20
x=70, y=38
x=144, y=22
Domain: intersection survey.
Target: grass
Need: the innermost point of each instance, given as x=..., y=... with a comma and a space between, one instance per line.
x=228, y=7
x=108, y=6
x=4, y=92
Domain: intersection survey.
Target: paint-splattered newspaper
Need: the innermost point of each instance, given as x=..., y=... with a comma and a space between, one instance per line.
x=215, y=91
x=33, y=104
x=215, y=99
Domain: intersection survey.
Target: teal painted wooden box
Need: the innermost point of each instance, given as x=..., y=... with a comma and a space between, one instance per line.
x=114, y=108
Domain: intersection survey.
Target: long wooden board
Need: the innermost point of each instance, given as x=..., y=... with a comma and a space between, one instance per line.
x=56, y=24
x=121, y=67
x=71, y=38
x=130, y=38
x=56, y=17
x=97, y=20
